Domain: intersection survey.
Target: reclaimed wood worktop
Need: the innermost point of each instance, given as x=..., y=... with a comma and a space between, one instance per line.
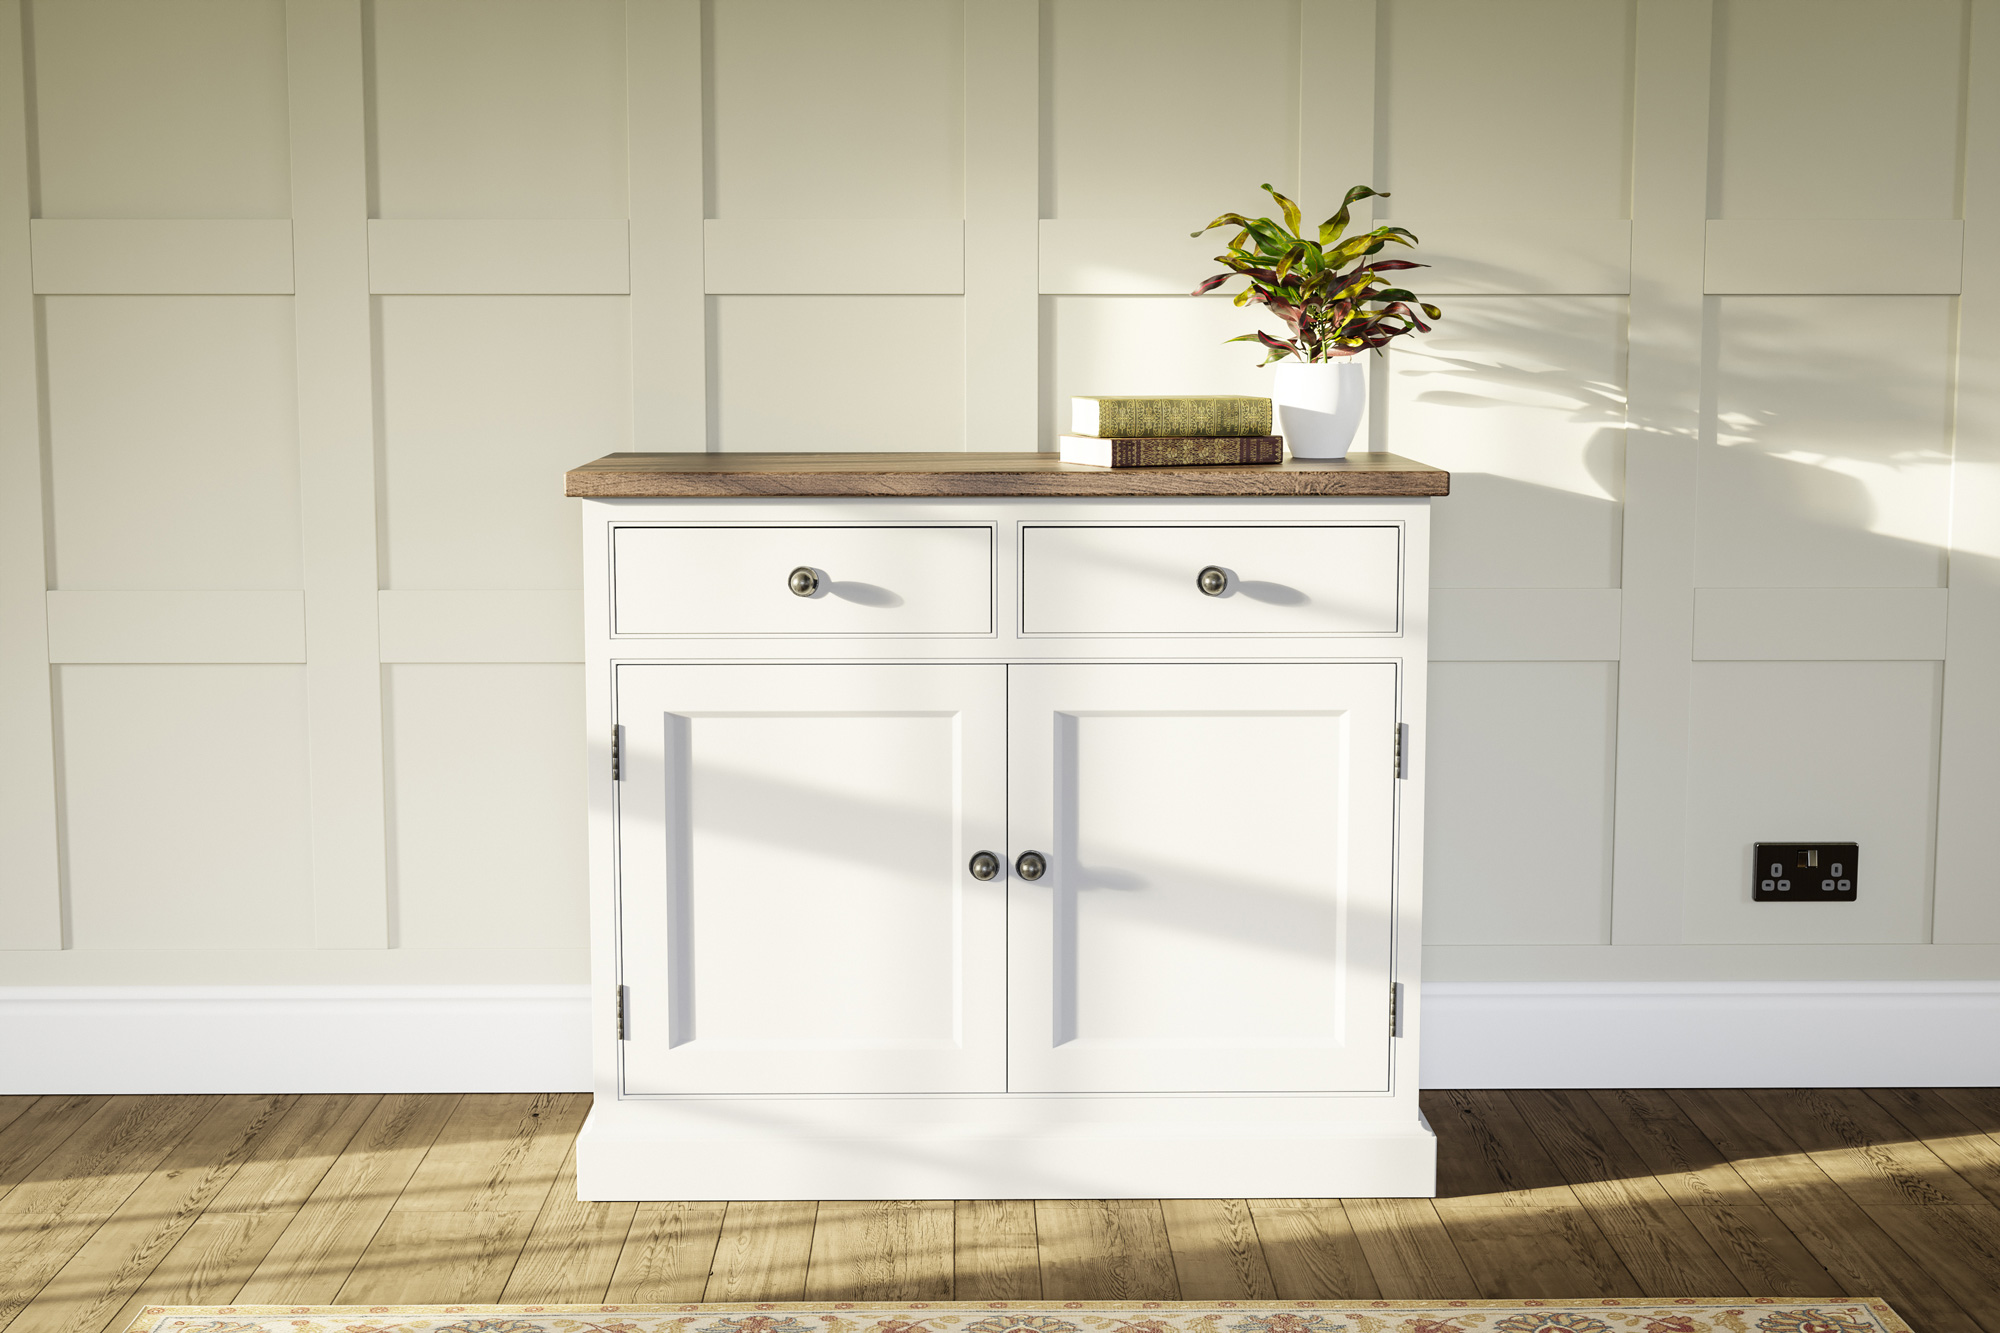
x=694, y=476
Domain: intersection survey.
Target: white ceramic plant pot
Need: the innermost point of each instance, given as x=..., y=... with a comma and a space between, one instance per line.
x=1320, y=405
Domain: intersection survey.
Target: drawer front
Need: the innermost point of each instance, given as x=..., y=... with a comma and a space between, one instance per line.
x=736, y=580
x=1144, y=580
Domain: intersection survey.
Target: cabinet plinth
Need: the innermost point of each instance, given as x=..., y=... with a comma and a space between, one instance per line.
x=994, y=847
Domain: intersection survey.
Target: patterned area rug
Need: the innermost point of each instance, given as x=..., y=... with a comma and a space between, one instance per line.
x=1848, y=1314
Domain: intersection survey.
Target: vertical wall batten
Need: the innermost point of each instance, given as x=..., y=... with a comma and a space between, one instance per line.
x=1338, y=142
x=30, y=875
x=1967, y=906
x=1337, y=131
x=663, y=81
x=1002, y=223
x=329, y=154
x=1669, y=219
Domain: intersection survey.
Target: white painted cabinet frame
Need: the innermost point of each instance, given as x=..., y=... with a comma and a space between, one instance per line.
x=801, y=987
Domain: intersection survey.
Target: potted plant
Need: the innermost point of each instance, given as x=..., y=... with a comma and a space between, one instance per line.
x=1331, y=295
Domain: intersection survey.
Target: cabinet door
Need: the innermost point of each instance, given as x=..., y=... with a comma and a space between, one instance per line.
x=1216, y=912
x=795, y=910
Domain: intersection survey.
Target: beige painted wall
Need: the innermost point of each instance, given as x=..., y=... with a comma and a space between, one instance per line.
x=305, y=306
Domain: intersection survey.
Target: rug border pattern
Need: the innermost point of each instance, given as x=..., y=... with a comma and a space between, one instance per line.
x=151, y=1315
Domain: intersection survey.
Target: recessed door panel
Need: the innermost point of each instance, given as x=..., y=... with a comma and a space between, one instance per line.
x=797, y=911
x=1215, y=916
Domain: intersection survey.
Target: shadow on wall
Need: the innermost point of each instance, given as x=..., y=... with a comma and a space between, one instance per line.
x=1820, y=462
x=1522, y=398
x=1826, y=457
x=1823, y=458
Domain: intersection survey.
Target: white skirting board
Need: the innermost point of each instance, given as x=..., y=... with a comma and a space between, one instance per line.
x=1711, y=1034
x=136, y=1039
x=294, y=1039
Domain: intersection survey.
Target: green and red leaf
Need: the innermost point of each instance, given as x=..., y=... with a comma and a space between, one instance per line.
x=1291, y=210
x=1328, y=291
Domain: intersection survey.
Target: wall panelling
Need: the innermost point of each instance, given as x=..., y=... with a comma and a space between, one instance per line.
x=306, y=304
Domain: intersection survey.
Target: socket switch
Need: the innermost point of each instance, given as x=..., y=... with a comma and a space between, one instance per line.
x=1805, y=872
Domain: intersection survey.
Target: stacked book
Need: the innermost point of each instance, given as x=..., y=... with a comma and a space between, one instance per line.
x=1171, y=432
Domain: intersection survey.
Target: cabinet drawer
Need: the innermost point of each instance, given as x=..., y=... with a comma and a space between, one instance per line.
x=1143, y=580
x=734, y=580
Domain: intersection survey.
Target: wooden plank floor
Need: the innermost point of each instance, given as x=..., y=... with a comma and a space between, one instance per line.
x=108, y=1204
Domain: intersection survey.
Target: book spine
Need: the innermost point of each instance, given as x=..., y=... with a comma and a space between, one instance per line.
x=1196, y=452
x=1140, y=418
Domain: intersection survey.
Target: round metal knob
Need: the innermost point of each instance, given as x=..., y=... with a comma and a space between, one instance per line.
x=1030, y=865
x=1212, y=581
x=984, y=865
x=804, y=581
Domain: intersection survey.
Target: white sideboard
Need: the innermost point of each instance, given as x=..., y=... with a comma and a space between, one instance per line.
x=970, y=844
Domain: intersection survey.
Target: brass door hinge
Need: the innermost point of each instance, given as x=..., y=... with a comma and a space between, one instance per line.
x=1396, y=1009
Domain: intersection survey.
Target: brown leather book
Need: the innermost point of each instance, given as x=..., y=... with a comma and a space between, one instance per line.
x=1206, y=451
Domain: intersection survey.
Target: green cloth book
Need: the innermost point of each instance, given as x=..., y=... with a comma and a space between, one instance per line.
x=1200, y=452
x=1153, y=418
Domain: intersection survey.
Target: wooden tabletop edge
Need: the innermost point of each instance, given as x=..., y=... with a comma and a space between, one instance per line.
x=816, y=475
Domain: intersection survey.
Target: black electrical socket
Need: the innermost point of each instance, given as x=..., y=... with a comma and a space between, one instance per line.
x=1805, y=872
